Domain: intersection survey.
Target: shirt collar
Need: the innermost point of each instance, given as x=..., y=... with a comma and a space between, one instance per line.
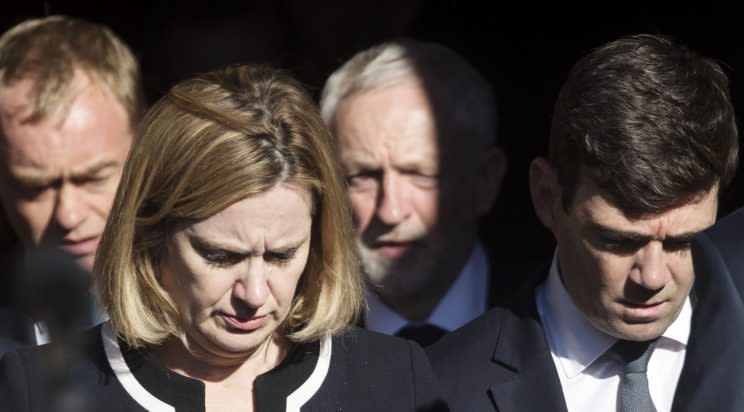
x=96, y=315
x=465, y=300
x=577, y=343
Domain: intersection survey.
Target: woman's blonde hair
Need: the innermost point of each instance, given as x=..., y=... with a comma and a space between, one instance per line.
x=210, y=142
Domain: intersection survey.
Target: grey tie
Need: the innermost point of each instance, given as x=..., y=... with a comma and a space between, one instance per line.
x=633, y=394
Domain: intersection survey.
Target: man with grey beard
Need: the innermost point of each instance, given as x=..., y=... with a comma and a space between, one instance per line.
x=416, y=130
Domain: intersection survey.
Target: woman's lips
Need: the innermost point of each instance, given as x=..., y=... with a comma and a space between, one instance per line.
x=245, y=324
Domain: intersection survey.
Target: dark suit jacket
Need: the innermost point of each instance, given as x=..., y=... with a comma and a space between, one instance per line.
x=502, y=362
x=15, y=330
x=713, y=375
x=366, y=371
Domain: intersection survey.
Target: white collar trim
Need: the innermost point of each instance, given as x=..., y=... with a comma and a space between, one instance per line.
x=295, y=400
x=311, y=386
x=125, y=376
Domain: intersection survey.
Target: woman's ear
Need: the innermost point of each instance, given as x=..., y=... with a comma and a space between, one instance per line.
x=545, y=191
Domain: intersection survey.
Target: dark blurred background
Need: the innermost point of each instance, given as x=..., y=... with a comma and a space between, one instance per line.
x=524, y=48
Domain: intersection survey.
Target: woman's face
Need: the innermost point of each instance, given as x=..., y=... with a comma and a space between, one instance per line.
x=233, y=275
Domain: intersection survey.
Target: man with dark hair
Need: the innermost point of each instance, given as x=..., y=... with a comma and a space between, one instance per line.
x=70, y=99
x=642, y=141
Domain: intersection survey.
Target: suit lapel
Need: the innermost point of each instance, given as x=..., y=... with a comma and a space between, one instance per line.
x=526, y=379
x=713, y=377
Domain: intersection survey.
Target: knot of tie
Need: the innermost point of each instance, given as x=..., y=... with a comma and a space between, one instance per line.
x=634, y=355
x=633, y=393
x=424, y=335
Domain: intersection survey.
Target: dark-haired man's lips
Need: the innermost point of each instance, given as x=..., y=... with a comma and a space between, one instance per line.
x=648, y=311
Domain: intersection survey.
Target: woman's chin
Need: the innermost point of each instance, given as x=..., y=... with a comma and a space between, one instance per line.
x=228, y=344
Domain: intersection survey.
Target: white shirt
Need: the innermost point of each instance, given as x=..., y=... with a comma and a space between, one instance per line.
x=589, y=379
x=465, y=300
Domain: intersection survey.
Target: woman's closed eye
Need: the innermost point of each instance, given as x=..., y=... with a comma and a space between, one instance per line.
x=280, y=258
x=221, y=258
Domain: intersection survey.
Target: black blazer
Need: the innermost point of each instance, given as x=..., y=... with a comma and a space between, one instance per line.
x=357, y=371
x=501, y=361
x=16, y=330
x=713, y=375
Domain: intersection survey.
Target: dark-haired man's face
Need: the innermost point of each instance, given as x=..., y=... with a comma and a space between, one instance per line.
x=629, y=277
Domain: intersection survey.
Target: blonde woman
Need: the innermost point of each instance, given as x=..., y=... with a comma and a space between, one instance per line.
x=228, y=270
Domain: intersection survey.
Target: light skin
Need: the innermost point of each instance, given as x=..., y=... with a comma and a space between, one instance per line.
x=59, y=175
x=233, y=277
x=416, y=206
x=629, y=277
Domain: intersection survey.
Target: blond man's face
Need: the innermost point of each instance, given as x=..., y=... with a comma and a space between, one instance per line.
x=58, y=176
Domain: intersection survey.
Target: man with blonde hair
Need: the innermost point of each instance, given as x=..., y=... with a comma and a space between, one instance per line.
x=70, y=98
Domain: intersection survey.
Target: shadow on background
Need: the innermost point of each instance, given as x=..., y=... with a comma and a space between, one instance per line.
x=526, y=54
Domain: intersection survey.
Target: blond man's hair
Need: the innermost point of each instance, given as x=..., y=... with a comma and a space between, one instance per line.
x=49, y=51
x=210, y=142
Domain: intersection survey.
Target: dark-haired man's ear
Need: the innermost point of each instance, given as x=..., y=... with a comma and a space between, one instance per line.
x=490, y=176
x=545, y=191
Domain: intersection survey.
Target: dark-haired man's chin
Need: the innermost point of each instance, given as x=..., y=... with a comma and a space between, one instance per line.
x=641, y=329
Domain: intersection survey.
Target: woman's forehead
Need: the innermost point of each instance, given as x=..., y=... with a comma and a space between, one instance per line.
x=280, y=215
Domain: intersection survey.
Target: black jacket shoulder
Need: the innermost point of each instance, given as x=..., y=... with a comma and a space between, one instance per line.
x=726, y=238
x=496, y=361
x=370, y=371
x=34, y=378
x=362, y=371
x=462, y=359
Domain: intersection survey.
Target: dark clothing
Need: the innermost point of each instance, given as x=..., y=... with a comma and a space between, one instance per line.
x=502, y=362
x=499, y=362
x=713, y=375
x=7, y=345
x=16, y=330
x=720, y=249
x=357, y=371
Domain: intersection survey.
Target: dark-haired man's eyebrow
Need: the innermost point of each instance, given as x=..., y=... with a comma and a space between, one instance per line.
x=619, y=235
x=681, y=238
